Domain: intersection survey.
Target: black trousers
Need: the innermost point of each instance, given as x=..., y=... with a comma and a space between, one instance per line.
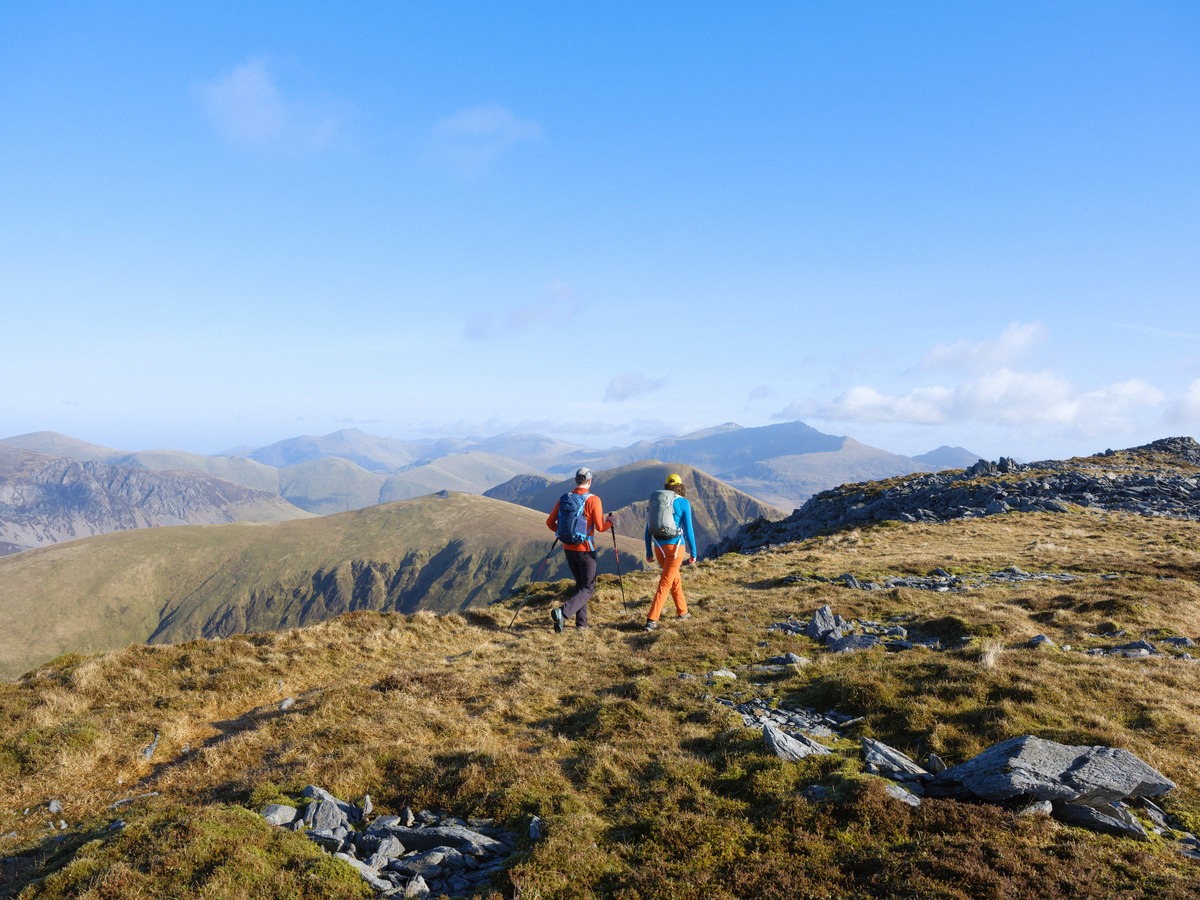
x=583, y=567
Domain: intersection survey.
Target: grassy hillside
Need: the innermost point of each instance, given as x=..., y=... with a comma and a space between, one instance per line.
x=471, y=473
x=232, y=468
x=330, y=485
x=172, y=584
x=645, y=785
x=717, y=508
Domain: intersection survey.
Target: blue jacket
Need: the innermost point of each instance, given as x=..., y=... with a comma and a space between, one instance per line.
x=683, y=520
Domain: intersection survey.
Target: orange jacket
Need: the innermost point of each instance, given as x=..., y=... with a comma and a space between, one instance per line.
x=594, y=513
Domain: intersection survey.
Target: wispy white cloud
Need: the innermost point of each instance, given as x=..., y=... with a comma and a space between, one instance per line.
x=248, y=109
x=1004, y=397
x=1010, y=348
x=996, y=390
x=1186, y=410
x=557, y=301
x=469, y=141
x=865, y=404
x=632, y=384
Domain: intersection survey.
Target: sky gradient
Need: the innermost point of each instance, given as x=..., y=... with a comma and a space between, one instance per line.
x=916, y=224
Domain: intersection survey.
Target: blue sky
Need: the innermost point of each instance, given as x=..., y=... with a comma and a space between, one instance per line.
x=915, y=223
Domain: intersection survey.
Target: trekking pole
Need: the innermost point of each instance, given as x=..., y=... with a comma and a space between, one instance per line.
x=535, y=577
x=620, y=580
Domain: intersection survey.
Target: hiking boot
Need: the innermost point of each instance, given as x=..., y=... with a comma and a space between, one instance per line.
x=556, y=617
x=685, y=617
x=650, y=626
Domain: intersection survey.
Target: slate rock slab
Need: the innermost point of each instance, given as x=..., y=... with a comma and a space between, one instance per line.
x=1035, y=769
x=1106, y=820
x=465, y=840
x=853, y=642
x=898, y=793
x=790, y=747
x=892, y=762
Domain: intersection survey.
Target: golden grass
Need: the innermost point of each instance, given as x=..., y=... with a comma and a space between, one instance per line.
x=648, y=788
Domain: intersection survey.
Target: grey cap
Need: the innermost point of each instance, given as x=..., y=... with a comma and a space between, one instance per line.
x=583, y=475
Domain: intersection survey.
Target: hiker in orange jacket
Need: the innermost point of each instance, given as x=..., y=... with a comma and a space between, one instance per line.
x=581, y=558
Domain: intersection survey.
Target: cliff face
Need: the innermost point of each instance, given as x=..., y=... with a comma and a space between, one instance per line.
x=46, y=499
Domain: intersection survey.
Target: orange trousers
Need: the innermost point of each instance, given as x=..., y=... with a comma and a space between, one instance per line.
x=670, y=557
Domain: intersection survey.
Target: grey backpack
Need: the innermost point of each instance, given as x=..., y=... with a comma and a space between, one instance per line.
x=660, y=518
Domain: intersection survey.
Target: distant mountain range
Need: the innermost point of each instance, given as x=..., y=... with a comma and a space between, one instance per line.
x=781, y=465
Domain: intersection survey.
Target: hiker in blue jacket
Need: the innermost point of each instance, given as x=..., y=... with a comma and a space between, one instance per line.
x=669, y=549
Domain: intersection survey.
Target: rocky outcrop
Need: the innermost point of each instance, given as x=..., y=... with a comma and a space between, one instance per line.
x=1158, y=479
x=414, y=854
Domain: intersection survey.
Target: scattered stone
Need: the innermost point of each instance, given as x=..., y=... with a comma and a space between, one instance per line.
x=325, y=815
x=898, y=793
x=1155, y=813
x=1179, y=641
x=854, y=642
x=369, y=875
x=148, y=751
x=280, y=814
x=891, y=762
x=757, y=713
x=55, y=808
x=1105, y=819
x=822, y=624
x=1145, y=646
x=1043, y=770
x=1041, y=808
x=790, y=747
x=424, y=854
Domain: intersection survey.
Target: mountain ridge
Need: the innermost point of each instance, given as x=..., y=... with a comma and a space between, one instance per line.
x=441, y=553
x=46, y=499
x=781, y=465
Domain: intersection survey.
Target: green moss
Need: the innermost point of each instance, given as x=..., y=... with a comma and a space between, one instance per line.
x=175, y=851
